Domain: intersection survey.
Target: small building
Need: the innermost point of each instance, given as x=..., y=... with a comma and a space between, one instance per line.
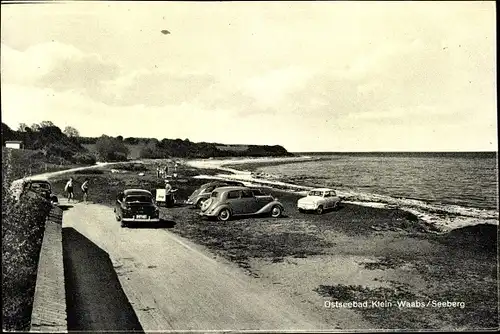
x=17, y=144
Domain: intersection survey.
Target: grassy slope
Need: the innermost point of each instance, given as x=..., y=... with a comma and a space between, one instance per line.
x=134, y=150
x=463, y=271
x=28, y=162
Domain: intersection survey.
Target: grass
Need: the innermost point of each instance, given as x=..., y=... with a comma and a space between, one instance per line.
x=23, y=163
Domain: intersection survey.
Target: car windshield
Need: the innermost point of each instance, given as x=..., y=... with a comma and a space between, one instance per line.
x=258, y=192
x=44, y=186
x=138, y=199
x=315, y=193
x=214, y=194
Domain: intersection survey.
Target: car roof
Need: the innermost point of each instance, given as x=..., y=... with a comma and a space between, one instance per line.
x=136, y=192
x=229, y=188
x=38, y=181
x=321, y=189
x=214, y=183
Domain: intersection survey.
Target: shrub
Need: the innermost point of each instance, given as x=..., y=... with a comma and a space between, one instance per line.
x=132, y=167
x=111, y=149
x=22, y=234
x=84, y=158
x=89, y=171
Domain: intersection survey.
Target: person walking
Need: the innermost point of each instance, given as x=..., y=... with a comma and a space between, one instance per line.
x=85, y=190
x=69, y=189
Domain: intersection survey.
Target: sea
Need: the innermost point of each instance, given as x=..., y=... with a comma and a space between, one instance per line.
x=453, y=189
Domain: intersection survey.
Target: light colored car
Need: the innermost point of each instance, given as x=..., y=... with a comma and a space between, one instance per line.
x=226, y=202
x=136, y=206
x=201, y=194
x=319, y=200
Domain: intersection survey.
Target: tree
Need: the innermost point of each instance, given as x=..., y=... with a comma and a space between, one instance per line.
x=111, y=149
x=7, y=133
x=151, y=150
x=71, y=132
x=35, y=127
x=46, y=124
x=22, y=127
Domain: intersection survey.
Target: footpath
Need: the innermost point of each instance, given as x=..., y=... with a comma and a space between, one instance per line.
x=49, y=303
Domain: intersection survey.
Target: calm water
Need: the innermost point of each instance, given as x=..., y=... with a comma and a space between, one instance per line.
x=459, y=179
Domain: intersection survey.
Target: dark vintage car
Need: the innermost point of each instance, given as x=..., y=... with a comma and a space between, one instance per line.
x=201, y=194
x=226, y=202
x=136, y=206
x=41, y=188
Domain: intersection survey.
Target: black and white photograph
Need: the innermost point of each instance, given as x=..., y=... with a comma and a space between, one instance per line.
x=240, y=166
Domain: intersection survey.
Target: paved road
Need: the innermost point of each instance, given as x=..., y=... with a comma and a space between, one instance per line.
x=175, y=285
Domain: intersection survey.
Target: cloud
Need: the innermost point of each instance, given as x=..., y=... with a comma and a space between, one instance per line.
x=154, y=88
x=65, y=68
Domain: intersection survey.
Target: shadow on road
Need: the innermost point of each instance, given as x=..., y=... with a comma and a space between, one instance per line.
x=95, y=299
x=162, y=224
x=65, y=207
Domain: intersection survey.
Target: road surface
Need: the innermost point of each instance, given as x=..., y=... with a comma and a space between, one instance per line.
x=174, y=285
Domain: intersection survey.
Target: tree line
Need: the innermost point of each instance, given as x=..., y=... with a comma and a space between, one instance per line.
x=68, y=145
x=153, y=148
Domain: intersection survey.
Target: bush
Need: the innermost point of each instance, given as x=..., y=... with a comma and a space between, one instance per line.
x=89, y=172
x=131, y=167
x=84, y=158
x=23, y=226
x=111, y=149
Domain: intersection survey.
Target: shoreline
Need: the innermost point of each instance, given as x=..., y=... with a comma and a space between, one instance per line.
x=444, y=217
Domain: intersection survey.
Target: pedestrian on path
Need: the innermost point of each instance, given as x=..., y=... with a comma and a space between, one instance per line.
x=69, y=189
x=85, y=190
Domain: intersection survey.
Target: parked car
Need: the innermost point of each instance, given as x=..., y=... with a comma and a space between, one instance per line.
x=136, y=206
x=318, y=200
x=41, y=188
x=231, y=201
x=201, y=194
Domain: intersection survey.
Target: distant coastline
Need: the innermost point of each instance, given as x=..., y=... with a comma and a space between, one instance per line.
x=465, y=154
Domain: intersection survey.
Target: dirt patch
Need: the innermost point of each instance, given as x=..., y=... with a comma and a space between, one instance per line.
x=385, y=263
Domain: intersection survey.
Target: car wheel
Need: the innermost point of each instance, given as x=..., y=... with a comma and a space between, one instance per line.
x=319, y=210
x=276, y=211
x=224, y=215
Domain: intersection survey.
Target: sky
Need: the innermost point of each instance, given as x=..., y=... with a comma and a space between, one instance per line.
x=310, y=76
